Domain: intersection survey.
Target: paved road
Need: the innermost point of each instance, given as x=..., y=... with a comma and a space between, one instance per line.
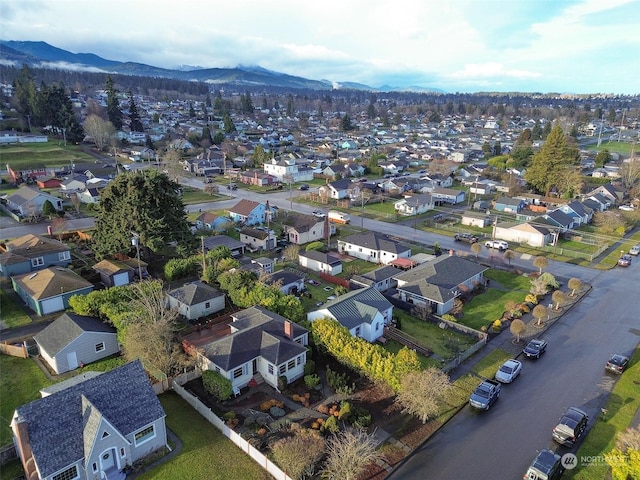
x=502, y=442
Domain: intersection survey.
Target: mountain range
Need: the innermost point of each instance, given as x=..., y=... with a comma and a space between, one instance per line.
x=44, y=55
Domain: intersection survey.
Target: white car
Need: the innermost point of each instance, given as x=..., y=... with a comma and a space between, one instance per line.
x=319, y=214
x=499, y=244
x=509, y=370
x=635, y=250
x=626, y=208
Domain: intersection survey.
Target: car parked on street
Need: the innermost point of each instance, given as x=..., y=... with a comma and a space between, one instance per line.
x=535, y=348
x=617, y=364
x=546, y=466
x=635, y=250
x=570, y=427
x=509, y=370
x=485, y=395
x=499, y=244
x=465, y=237
x=304, y=186
x=624, y=260
x=319, y=214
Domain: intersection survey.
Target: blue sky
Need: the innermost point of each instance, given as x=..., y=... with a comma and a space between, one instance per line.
x=567, y=46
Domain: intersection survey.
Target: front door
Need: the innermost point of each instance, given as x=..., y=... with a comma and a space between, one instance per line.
x=108, y=460
x=255, y=366
x=72, y=360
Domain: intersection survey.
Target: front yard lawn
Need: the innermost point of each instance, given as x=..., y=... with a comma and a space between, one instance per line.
x=206, y=454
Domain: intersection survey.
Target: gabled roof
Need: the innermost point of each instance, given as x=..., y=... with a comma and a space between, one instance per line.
x=358, y=307
x=377, y=275
x=207, y=217
x=260, y=333
x=342, y=184
x=509, y=201
x=222, y=240
x=255, y=233
x=31, y=246
x=285, y=276
x=112, y=266
x=195, y=293
x=322, y=257
x=244, y=207
x=66, y=328
x=559, y=217
x=51, y=282
x=302, y=223
x=57, y=424
x=26, y=194
x=375, y=241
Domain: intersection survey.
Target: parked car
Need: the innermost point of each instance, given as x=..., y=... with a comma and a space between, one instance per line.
x=535, y=348
x=304, y=186
x=624, y=260
x=626, y=208
x=546, y=466
x=465, y=237
x=485, y=395
x=232, y=186
x=499, y=244
x=635, y=250
x=570, y=427
x=509, y=370
x=319, y=214
x=617, y=364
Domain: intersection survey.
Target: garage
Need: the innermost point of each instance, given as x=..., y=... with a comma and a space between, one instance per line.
x=120, y=279
x=51, y=305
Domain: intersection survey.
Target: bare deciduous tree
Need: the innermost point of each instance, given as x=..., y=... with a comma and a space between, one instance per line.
x=574, y=284
x=100, y=130
x=348, y=453
x=558, y=297
x=540, y=262
x=539, y=312
x=421, y=392
x=476, y=248
x=509, y=255
x=297, y=455
x=516, y=328
x=290, y=253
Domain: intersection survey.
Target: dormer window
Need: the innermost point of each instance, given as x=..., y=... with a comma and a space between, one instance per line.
x=105, y=434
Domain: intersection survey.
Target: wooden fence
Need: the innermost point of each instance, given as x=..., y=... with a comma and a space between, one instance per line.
x=334, y=280
x=14, y=350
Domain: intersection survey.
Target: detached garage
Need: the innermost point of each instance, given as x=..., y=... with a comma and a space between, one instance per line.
x=74, y=340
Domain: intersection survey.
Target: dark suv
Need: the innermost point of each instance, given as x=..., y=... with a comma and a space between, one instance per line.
x=570, y=427
x=465, y=237
x=546, y=466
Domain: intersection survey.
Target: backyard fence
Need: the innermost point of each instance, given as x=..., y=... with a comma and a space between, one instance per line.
x=14, y=350
x=334, y=280
x=245, y=446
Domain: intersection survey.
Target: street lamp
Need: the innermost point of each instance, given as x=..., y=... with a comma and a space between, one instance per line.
x=135, y=241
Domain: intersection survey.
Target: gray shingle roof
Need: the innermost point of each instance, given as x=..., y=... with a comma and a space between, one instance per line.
x=57, y=424
x=260, y=333
x=375, y=241
x=358, y=307
x=66, y=328
x=328, y=258
x=379, y=274
x=195, y=293
x=446, y=271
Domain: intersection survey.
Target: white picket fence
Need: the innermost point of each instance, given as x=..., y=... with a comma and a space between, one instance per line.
x=245, y=446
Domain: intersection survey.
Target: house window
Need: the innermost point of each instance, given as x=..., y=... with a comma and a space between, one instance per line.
x=37, y=262
x=299, y=360
x=291, y=364
x=237, y=373
x=122, y=453
x=64, y=256
x=68, y=474
x=270, y=369
x=207, y=305
x=283, y=369
x=357, y=331
x=359, y=249
x=378, y=325
x=144, y=435
x=99, y=347
x=105, y=434
x=94, y=467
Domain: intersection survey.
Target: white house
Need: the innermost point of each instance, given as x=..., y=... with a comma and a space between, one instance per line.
x=414, y=204
x=320, y=262
x=363, y=312
x=373, y=247
x=196, y=300
x=287, y=170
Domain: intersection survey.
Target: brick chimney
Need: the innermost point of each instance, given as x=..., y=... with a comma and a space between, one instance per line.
x=288, y=329
x=23, y=446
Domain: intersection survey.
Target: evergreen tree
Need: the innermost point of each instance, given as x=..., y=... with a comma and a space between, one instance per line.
x=25, y=92
x=113, y=105
x=229, y=126
x=345, y=123
x=290, y=107
x=192, y=112
x=536, y=132
x=134, y=117
x=207, y=100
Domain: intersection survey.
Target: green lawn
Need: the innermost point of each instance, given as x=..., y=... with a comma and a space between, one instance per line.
x=206, y=453
x=13, y=315
x=622, y=405
x=49, y=154
x=425, y=362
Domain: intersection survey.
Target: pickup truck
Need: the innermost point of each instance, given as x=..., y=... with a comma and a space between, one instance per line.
x=485, y=395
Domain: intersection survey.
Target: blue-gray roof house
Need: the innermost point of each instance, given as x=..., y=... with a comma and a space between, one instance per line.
x=92, y=429
x=32, y=252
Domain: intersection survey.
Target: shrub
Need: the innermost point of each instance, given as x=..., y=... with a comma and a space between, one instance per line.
x=345, y=410
x=309, y=367
x=496, y=326
x=229, y=415
x=282, y=382
x=338, y=382
x=277, y=412
x=181, y=267
x=268, y=404
x=531, y=298
x=331, y=425
x=449, y=317
x=524, y=308
x=360, y=417
x=323, y=409
x=217, y=385
x=311, y=380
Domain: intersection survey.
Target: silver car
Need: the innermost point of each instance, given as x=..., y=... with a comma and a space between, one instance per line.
x=509, y=370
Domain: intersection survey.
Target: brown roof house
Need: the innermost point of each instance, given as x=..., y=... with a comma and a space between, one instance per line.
x=114, y=273
x=48, y=291
x=74, y=340
x=91, y=430
x=32, y=252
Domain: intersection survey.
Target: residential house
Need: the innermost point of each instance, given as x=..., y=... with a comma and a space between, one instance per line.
x=597, y=202
x=363, y=312
x=214, y=241
x=373, y=247
x=73, y=184
x=75, y=340
x=289, y=283
x=248, y=212
x=26, y=174
x=261, y=344
x=89, y=196
x=301, y=229
x=382, y=279
x=580, y=212
x=528, y=233
x=28, y=201
x=560, y=219
x=48, y=182
x=211, y=221
x=438, y=283
x=475, y=219
x=48, y=291
x=414, y=204
x=352, y=169
x=258, y=238
x=260, y=265
x=32, y=252
x=320, y=261
x=610, y=192
x=509, y=205
x=92, y=429
x=195, y=300
x=114, y=273
x=338, y=189
x=287, y=170
x=448, y=195
x=259, y=179
x=439, y=180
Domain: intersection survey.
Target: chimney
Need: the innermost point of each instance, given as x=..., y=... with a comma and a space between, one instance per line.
x=288, y=329
x=21, y=434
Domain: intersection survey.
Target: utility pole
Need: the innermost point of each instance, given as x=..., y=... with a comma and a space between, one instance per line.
x=135, y=241
x=204, y=260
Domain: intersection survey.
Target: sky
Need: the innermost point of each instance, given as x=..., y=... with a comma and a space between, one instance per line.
x=564, y=46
